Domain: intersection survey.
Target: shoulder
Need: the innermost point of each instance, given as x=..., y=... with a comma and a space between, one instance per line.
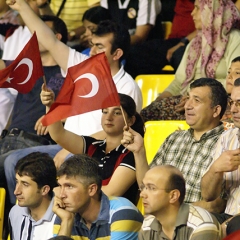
x=230, y=133
x=122, y=208
x=16, y=213
x=198, y=216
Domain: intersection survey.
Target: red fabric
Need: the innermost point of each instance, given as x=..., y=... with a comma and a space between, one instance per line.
x=233, y=236
x=25, y=70
x=88, y=86
x=182, y=24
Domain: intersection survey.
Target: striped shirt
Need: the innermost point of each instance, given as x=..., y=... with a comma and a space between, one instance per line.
x=231, y=180
x=192, y=223
x=118, y=219
x=24, y=227
x=192, y=157
x=72, y=12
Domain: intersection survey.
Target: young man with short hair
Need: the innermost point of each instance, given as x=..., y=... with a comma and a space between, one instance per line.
x=32, y=217
x=84, y=211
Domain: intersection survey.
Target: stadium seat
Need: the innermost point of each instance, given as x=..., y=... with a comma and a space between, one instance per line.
x=157, y=132
x=2, y=206
x=167, y=28
x=151, y=85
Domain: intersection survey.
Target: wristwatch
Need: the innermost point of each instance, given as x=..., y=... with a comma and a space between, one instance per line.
x=185, y=41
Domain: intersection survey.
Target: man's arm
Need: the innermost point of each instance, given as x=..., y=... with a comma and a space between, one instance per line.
x=45, y=35
x=141, y=34
x=211, y=184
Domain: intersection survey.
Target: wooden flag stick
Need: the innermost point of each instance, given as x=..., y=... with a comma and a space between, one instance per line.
x=123, y=116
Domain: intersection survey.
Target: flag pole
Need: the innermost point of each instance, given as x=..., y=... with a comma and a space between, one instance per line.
x=123, y=116
x=44, y=81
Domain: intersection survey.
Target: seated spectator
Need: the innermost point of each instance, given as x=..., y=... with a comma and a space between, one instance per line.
x=32, y=216
x=14, y=38
x=205, y=56
x=162, y=193
x=93, y=215
x=110, y=38
x=232, y=74
x=222, y=178
x=188, y=150
x=151, y=56
x=91, y=19
x=25, y=128
x=70, y=12
x=114, y=160
x=138, y=16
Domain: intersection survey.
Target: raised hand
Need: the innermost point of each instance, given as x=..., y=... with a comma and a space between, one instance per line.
x=47, y=96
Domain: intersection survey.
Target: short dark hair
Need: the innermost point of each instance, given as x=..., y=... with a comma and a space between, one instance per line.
x=96, y=14
x=59, y=26
x=236, y=59
x=176, y=181
x=218, y=96
x=83, y=166
x=129, y=105
x=40, y=168
x=121, y=37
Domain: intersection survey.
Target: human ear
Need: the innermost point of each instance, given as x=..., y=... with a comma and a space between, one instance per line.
x=117, y=54
x=92, y=189
x=217, y=111
x=174, y=196
x=131, y=121
x=45, y=190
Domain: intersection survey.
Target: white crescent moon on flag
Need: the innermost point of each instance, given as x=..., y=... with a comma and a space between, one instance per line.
x=95, y=84
x=29, y=63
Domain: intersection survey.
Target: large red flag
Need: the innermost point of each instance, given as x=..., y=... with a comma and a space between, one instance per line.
x=88, y=86
x=25, y=70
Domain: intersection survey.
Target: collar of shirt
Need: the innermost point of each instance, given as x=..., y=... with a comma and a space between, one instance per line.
x=103, y=216
x=211, y=133
x=103, y=143
x=47, y=216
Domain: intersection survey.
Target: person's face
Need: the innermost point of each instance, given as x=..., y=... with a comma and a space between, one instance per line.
x=198, y=110
x=113, y=121
x=27, y=192
x=154, y=197
x=196, y=15
x=235, y=110
x=101, y=44
x=232, y=75
x=74, y=194
x=90, y=28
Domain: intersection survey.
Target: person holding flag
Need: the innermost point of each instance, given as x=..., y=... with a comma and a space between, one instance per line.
x=25, y=129
x=115, y=161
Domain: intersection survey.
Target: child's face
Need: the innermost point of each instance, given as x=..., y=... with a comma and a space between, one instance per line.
x=232, y=75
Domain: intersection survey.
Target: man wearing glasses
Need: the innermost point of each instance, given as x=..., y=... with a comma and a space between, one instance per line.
x=162, y=193
x=223, y=175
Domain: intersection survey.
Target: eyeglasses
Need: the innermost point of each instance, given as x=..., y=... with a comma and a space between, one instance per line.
x=151, y=188
x=231, y=102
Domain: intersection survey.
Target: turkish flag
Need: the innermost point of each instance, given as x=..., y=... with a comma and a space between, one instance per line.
x=88, y=86
x=25, y=70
